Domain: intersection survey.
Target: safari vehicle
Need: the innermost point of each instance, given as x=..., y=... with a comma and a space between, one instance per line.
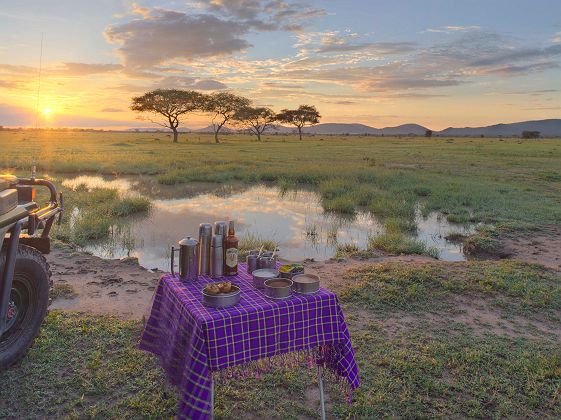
x=25, y=278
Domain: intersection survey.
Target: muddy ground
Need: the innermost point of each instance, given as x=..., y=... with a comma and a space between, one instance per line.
x=86, y=283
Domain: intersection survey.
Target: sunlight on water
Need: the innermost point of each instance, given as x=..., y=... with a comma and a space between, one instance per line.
x=295, y=220
x=89, y=182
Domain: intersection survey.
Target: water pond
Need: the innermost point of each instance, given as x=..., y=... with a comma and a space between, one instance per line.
x=295, y=220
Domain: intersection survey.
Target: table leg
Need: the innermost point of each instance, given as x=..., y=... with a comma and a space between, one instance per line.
x=321, y=394
x=212, y=398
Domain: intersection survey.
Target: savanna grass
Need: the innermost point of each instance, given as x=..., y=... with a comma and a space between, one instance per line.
x=468, y=180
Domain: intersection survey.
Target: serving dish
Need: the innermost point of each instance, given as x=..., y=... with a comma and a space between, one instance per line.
x=221, y=300
x=305, y=284
x=288, y=271
x=278, y=288
x=259, y=276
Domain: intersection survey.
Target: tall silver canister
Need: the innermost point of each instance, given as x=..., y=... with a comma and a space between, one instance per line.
x=216, y=257
x=188, y=259
x=221, y=228
x=205, y=238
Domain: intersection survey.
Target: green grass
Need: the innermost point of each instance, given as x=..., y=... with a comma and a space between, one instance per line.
x=61, y=290
x=411, y=287
x=418, y=353
x=479, y=180
x=93, y=214
x=398, y=243
x=85, y=366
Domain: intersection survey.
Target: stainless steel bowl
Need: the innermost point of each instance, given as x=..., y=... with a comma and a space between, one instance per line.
x=222, y=300
x=291, y=274
x=278, y=288
x=259, y=276
x=305, y=283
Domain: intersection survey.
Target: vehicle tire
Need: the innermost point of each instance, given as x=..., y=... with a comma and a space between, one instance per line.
x=29, y=301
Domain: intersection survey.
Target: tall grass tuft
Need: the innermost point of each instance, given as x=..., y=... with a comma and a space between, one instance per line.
x=251, y=241
x=398, y=243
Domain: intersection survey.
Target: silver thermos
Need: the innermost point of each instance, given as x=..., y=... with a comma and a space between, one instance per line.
x=221, y=228
x=188, y=259
x=216, y=257
x=205, y=238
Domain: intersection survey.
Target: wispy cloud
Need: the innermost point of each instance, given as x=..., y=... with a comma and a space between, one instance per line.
x=453, y=28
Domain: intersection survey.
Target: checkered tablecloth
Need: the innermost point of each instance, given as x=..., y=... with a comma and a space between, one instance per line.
x=193, y=340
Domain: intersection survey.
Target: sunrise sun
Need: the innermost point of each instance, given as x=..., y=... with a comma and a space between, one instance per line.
x=47, y=112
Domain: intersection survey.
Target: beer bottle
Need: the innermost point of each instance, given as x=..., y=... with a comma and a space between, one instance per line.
x=231, y=245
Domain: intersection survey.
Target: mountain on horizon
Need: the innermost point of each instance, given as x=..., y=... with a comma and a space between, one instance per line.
x=547, y=128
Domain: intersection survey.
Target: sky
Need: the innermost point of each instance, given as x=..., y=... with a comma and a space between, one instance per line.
x=438, y=63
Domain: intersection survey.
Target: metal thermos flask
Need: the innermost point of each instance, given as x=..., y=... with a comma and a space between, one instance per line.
x=188, y=259
x=221, y=228
x=205, y=238
x=216, y=257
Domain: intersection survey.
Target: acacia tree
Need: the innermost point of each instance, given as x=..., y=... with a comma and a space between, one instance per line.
x=305, y=115
x=223, y=106
x=256, y=120
x=171, y=104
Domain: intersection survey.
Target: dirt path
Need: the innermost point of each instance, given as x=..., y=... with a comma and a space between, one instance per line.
x=541, y=248
x=102, y=286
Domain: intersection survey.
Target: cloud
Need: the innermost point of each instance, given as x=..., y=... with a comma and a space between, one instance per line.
x=7, y=84
x=556, y=38
x=453, y=28
x=185, y=82
x=266, y=15
x=378, y=48
x=209, y=84
x=16, y=115
x=85, y=69
x=161, y=35
x=112, y=110
x=523, y=69
x=518, y=54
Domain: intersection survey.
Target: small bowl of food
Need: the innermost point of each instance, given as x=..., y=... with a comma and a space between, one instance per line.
x=287, y=271
x=221, y=295
x=278, y=288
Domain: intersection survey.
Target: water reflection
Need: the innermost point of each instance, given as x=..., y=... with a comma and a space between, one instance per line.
x=295, y=220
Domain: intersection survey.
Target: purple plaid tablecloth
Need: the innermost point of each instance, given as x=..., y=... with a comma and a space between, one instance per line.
x=193, y=340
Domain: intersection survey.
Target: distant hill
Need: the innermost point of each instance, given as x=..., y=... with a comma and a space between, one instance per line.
x=405, y=129
x=334, y=128
x=547, y=128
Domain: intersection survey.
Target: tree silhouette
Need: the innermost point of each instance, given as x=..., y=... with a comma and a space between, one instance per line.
x=223, y=106
x=305, y=115
x=172, y=104
x=256, y=120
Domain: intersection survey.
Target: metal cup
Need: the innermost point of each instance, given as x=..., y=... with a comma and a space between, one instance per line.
x=251, y=261
x=266, y=262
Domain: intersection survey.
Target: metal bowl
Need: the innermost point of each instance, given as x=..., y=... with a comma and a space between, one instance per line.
x=222, y=300
x=259, y=276
x=292, y=273
x=305, y=283
x=278, y=288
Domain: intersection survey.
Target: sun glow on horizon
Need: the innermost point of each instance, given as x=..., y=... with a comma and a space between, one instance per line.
x=47, y=112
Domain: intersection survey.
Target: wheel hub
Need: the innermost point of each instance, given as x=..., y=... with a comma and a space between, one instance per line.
x=12, y=311
x=11, y=314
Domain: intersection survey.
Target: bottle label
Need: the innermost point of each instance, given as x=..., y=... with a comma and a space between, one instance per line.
x=232, y=257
